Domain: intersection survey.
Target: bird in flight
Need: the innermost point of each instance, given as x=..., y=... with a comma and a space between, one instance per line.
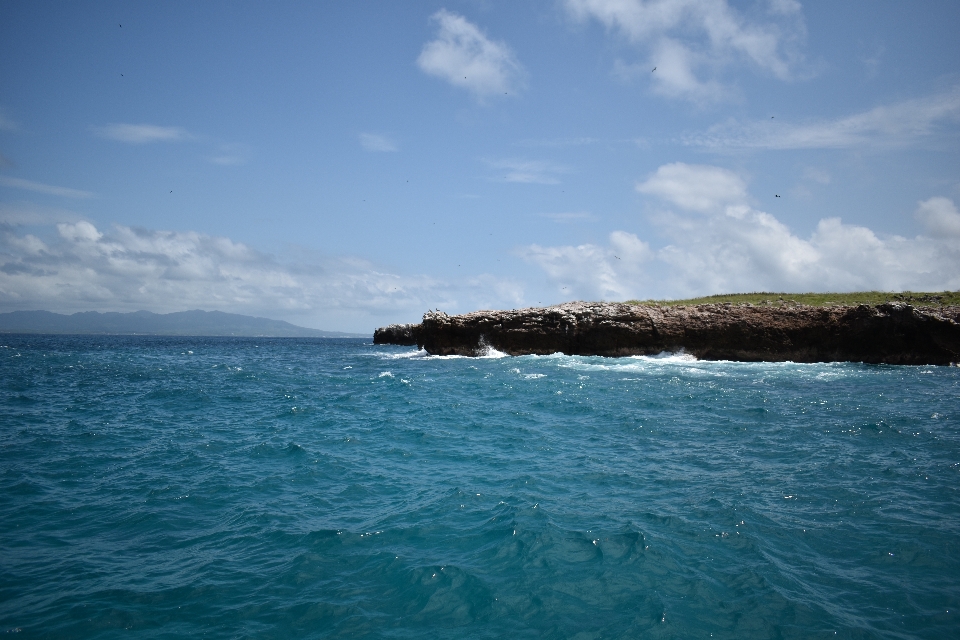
x=652, y=70
x=776, y=195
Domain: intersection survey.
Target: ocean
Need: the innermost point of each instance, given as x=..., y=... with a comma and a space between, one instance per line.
x=157, y=487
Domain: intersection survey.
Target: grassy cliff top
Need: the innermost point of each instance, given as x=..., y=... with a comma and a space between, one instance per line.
x=820, y=299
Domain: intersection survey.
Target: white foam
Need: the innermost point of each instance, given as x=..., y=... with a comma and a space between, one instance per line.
x=385, y=374
x=534, y=376
x=669, y=357
x=490, y=352
x=403, y=355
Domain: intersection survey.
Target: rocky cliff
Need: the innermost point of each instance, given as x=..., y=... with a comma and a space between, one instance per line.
x=402, y=334
x=888, y=333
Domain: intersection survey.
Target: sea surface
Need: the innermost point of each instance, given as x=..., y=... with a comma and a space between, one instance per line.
x=320, y=488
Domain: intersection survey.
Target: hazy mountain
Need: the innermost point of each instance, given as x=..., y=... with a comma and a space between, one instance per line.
x=181, y=323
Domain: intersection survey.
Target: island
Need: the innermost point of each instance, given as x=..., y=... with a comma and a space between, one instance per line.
x=892, y=332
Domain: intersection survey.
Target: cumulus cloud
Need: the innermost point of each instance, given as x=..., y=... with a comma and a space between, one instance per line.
x=594, y=272
x=689, y=42
x=80, y=267
x=376, y=142
x=898, y=124
x=695, y=187
x=39, y=187
x=141, y=133
x=728, y=246
x=463, y=56
x=940, y=217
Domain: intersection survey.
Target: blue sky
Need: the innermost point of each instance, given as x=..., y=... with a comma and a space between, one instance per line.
x=347, y=165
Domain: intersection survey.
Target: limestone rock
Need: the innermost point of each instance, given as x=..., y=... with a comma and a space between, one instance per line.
x=403, y=334
x=892, y=333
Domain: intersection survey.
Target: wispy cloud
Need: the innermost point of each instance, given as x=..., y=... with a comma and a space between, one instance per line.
x=817, y=175
x=463, y=56
x=39, y=187
x=141, y=133
x=899, y=124
x=555, y=143
x=718, y=243
x=570, y=216
x=689, y=42
x=7, y=124
x=32, y=214
x=528, y=171
x=81, y=267
x=871, y=61
x=229, y=155
x=377, y=142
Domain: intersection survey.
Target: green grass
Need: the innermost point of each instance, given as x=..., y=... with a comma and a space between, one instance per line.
x=819, y=299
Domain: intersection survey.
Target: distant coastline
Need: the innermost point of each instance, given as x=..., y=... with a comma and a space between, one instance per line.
x=182, y=323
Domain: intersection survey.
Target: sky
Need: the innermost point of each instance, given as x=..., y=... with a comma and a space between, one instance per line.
x=346, y=165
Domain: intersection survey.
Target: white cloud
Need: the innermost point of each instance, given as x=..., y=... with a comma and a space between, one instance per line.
x=39, y=187
x=529, y=171
x=592, y=272
x=940, y=217
x=80, y=267
x=735, y=247
x=81, y=231
x=688, y=39
x=376, y=142
x=695, y=187
x=463, y=56
x=141, y=133
x=898, y=124
x=673, y=73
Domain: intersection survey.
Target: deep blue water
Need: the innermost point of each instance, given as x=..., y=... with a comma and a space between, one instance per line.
x=276, y=488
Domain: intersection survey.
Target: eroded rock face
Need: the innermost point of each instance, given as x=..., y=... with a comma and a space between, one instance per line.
x=403, y=334
x=887, y=333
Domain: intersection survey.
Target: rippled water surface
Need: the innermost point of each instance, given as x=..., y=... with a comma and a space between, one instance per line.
x=173, y=487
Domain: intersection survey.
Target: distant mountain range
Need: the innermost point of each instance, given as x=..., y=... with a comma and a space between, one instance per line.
x=181, y=323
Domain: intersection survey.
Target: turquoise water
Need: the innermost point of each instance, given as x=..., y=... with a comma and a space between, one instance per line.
x=235, y=488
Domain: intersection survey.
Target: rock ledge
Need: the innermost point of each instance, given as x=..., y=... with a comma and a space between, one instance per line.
x=891, y=333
